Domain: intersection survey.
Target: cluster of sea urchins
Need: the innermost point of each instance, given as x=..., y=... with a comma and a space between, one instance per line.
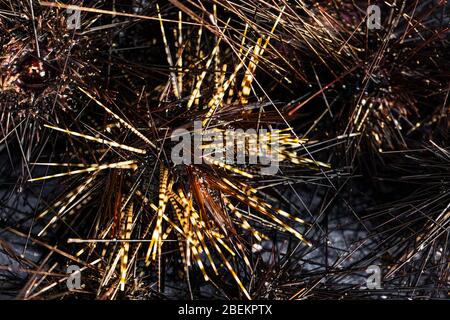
x=353, y=117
